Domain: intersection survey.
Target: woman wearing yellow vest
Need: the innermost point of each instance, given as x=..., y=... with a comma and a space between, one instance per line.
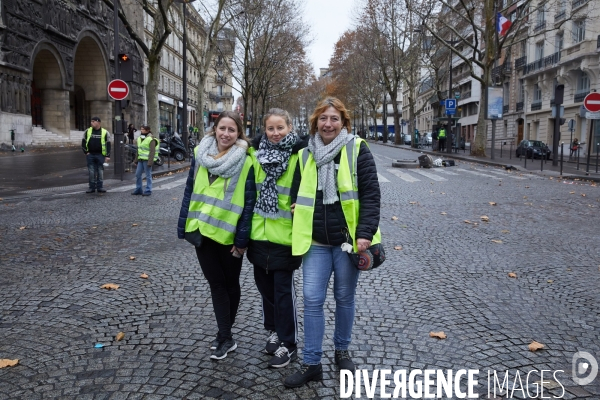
x=218, y=202
x=337, y=203
x=270, y=249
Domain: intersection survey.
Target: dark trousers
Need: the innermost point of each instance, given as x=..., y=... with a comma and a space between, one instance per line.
x=222, y=271
x=279, y=303
x=95, y=164
x=442, y=144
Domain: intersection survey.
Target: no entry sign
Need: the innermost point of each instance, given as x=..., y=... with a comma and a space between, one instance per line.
x=118, y=89
x=592, y=102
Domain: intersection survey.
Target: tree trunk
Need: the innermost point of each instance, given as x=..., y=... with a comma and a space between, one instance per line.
x=397, y=135
x=152, y=94
x=200, y=101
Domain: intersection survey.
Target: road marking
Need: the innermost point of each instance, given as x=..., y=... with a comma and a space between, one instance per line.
x=444, y=171
x=430, y=175
x=478, y=173
x=403, y=176
x=382, y=179
x=505, y=174
x=170, y=185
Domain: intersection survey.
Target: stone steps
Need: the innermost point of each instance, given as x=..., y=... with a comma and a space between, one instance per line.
x=43, y=137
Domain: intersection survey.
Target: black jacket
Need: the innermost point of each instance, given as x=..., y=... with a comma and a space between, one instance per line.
x=328, y=219
x=273, y=256
x=95, y=144
x=244, y=225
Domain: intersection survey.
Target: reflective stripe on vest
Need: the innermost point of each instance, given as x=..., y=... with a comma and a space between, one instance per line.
x=144, y=147
x=275, y=230
x=103, y=134
x=347, y=181
x=215, y=209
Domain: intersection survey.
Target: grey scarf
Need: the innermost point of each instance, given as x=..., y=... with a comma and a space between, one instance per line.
x=226, y=166
x=324, y=155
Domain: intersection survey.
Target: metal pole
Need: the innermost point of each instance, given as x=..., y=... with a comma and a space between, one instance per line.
x=185, y=97
x=562, y=145
x=494, y=138
x=570, y=142
x=542, y=161
x=501, y=144
x=578, y=147
x=587, y=168
x=526, y=159
x=118, y=134
x=510, y=152
x=449, y=130
x=597, y=144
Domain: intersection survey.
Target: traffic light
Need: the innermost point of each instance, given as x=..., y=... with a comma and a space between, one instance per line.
x=125, y=67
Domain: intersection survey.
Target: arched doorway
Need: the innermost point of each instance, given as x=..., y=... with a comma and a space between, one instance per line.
x=49, y=100
x=519, y=130
x=89, y=97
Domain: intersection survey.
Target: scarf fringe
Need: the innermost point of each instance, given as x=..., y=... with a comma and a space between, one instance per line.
x=266, y=214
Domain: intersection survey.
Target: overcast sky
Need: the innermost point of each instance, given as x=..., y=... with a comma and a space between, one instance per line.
x=328, y=20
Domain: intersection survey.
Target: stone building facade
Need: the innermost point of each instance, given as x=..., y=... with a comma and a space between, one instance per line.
x=56, y=61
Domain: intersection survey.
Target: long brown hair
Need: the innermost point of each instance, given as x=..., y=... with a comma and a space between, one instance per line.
x=323, y=106
x=238, y=123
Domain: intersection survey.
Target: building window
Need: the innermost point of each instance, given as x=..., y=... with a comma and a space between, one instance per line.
x=521, y=90
x=539, y=50
x=558, y=42
x=541, y=16
x=537, y=93
x=583, y=83
x=578, y=31
x=220, y=90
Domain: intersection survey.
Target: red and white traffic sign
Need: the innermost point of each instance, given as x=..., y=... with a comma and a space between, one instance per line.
x=592, y=102
x=118, y=89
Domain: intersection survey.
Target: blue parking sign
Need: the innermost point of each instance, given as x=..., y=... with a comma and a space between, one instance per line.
x=450, y=104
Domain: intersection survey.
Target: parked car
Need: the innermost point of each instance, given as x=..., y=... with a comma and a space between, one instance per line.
x=406, y=139
x=533, y=149
x=426, y=139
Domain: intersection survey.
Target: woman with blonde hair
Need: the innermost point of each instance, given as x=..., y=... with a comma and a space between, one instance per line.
x=216, y=217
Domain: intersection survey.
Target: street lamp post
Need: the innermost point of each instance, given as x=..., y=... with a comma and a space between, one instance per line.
x=449, y=131
x=184, y=119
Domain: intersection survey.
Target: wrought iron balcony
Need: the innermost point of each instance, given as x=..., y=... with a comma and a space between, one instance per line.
x=598, y=42
x=579, y=96
x=465, y=95
x=536, y=105
x=540, y=26
x=577, y=3
x=521, y=61
x=504, y=69
x=560, y=16
x=505, y=109
x=543, y=63
x=519, y=106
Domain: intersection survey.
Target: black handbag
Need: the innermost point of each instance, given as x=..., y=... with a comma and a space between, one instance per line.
x=194, y=238
x=367, y=260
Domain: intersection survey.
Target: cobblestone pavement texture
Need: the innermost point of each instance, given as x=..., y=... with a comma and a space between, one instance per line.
x=57, y=250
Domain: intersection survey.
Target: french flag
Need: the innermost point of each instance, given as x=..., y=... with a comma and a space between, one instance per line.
x=502, y=24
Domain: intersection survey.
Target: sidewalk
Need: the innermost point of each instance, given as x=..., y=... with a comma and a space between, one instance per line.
x=508, y=158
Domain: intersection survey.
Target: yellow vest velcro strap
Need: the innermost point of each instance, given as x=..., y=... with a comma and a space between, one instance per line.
x=212, y=221
x=226, y=205
x=305, y=201
x=280, y=189
x=349, y=196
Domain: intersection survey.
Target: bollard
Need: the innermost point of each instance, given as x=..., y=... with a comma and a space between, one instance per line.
x=578, y=147
x=561, y=157
x=510, y=151
x=501, y=144
x=525, y=159
x=597, y=144
x=542, y=159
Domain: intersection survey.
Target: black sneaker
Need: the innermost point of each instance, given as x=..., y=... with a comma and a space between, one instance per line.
x=223, y=348
x=90, y=190
x=101, y=190
x=283, y=356
x=343, y=360
x=272, y=343
x=136, y=193
x=214, y=344
x=306, y=374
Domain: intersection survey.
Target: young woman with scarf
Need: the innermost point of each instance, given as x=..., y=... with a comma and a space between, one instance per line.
x=270, y=248
x=337, y=202
x=218, y=203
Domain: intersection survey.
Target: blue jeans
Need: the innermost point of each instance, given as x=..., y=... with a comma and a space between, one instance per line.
x=96, y=170
x=141, y=167
x=318, y=264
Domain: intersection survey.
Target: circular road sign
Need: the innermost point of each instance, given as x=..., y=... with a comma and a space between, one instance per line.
x=118, y=89
x=592, y=102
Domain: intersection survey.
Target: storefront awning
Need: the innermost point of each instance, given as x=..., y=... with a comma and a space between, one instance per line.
x=470, y=120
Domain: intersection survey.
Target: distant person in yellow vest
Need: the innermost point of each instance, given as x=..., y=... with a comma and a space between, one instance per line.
x=217, y=206
x=442, y=138
x=147, y=153
x=96, y=147
x=336, y=203
x=270, y=248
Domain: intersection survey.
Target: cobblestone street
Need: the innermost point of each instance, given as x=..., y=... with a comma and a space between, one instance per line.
x=58, y=249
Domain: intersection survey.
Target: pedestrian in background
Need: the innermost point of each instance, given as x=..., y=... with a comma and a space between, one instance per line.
x=574, y=146
x=442, y=138
x=216, y=215
x=435, y=140
x=96, y=147
x=130, y=133
x=147, y=153
x=270, y=248
x=334, y=163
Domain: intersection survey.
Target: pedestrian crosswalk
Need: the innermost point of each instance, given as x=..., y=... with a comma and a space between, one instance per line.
x=441, y=174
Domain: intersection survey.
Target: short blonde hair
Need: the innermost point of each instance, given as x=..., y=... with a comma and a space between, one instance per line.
x=323, y=106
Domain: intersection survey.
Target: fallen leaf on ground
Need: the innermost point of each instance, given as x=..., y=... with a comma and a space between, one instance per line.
x=534, y=346
x=526, y=187
x=492, y=203
x=550, y=281
x=394, y=218
x=110, y=286
x=485, y=218
x=174, y=198
x=582, y=194
x=466, y=221
x=504, y=231
x=413, y=202
x=497, y=241
x=144, y=276
x=94, y=227
x=443, y=213
x=131, y=258
x=397, y=247
x=512, y=275
x=120, y=336
x=5, y=362
x=524, y=197
x=134, y=224
x=443, y=193
x=571, y=192
x=439, y=335
x=571, y=269
x=58, y=239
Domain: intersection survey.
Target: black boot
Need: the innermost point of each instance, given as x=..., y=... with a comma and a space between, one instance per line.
x=343, y=360
x=306, y=374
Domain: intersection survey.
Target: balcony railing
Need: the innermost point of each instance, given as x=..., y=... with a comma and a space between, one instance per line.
x=505, y=69
x=465, y=95
x=560, y=15
x=579, y=96
x=521, y=61
x=598, y=42
x=519, y=106
x=540, y=26
x=542, y=63
x=577, y=3
x=505, y=109
x=536, y=105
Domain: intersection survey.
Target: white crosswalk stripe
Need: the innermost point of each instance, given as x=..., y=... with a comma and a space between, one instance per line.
x=505, y=174
x=444, y=171
x=382, y=179
x=430, y=175
x=477, y=173
x=402, y=175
